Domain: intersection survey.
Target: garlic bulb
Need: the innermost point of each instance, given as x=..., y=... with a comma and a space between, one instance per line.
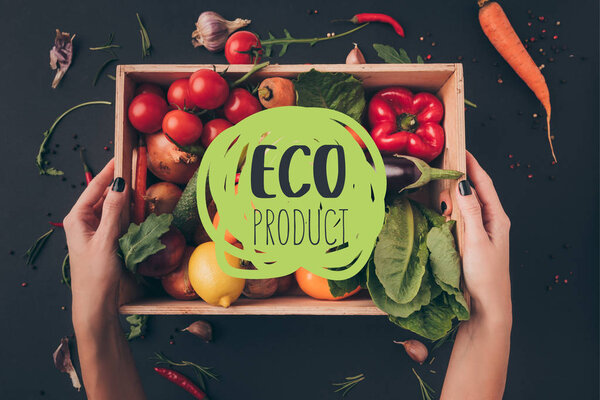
x=355, y=56
x=212, y=30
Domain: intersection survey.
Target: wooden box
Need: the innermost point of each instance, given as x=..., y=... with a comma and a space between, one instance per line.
x=445, y=80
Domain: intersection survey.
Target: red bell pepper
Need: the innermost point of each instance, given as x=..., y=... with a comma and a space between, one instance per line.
x=407, y=124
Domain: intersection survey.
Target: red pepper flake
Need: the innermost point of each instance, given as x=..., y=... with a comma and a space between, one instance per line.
x=540, y=18
x=24, y=284
x=555, y=37
x=512, y=166
x=532, y=39
x=428, y=57
x=543, y=31
x=530, y=176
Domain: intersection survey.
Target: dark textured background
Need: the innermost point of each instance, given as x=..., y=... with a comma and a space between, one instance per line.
x=554, y=213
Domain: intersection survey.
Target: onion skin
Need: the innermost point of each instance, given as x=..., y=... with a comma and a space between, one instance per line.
x=167, y=259
x=177, y=283
x=161, y=198
x=167, y=162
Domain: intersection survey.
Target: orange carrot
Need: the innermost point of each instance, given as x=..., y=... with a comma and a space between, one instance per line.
x=141, y=172
x=497, y=28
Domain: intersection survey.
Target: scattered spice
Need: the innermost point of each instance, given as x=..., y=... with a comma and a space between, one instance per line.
x=212, y=30
x=348, y=384
x=200, y=371
x=39, y=160
x=61, y=55
x=33, y=252
x=62, y=362
x=24, y=284
x=427, y=391
x=200, y=328
x=146, y=45
x=56, y=224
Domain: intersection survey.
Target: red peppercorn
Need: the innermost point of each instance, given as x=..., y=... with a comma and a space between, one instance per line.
x=530, y=176
x=543, y=31
x=532, y=39
x=24, y=284
x=555, y=37
x=555, y=276
x=541, y=18
x=529, y=24
x=428, y=57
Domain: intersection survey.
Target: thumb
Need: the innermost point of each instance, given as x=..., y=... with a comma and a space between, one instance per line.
x=470, y=209
x=114, y=204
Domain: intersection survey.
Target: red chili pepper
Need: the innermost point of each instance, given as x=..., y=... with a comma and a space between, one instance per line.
x=407, y=124
x=57, y=224
x=141, y=173
x=86, y=169
x=372, y=17
x=182, y=381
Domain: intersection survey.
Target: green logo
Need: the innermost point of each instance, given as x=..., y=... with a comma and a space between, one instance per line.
x=307, y=194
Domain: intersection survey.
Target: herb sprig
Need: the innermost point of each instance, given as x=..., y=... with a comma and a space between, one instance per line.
x=348, y=384
x=34, y=251
x=201, y=372
x=427, y=391
x=146, y=45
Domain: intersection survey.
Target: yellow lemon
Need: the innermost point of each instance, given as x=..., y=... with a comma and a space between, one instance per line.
x=210, y=282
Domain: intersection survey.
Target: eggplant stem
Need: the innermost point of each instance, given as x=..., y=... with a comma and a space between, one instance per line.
x=437, y=173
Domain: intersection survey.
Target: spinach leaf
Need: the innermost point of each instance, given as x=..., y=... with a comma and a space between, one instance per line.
x=334, y=90
x=432, y=217
x=384, y=303
x=444, y=259
x=432, y=322
x=143, y=240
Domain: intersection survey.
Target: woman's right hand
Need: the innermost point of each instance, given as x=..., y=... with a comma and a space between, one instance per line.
x=486, y=245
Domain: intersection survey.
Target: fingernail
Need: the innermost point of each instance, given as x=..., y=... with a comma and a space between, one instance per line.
x=118, y=185
x=464, y=188
x=443, y=207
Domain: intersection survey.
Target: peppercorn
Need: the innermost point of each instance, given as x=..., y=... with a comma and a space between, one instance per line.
x=24, y=284
x=428, y=57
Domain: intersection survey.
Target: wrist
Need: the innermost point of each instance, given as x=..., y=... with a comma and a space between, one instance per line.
x=496, y=316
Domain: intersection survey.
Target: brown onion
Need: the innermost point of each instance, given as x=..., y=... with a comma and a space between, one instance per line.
x=177, y=283
x=167, y=259
x=415, y=350
x=162, y=197
x=167, y=162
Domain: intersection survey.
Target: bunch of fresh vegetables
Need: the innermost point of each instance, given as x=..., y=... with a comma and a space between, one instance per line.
x=414, y=273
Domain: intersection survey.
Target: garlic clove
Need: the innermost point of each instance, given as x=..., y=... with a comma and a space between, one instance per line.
x=200, y=328
x=415, y=350
x=212, y=30
x=355, y=56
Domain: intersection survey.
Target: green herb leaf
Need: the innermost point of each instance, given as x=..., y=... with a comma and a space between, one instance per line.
x=401, y=236
x=432, y=217
x=34, y=251
x=143, y=240
x=420, y=59
x=444, y=259
x=137, y=325
x=334, y=90
x=433, y=321
x=391, y=55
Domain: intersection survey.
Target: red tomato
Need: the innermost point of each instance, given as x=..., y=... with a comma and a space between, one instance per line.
x=183, y=127
x=149, y=88
x=242, y=48
x=179, y=95
x=240, y=104
x=212, y=129
x=146, y=112
x=207, y=89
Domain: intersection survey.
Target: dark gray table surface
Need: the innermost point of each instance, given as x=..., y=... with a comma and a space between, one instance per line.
x=554, y=212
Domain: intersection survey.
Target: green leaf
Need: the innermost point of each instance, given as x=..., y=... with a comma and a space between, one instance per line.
x=444, y=259
x=340, y=288
x=137, y=325
x=390, y=55
x=384, y=303
x=334, y=90
x=432, y=321
x=432, y=217
x=420, y=60
x=400, y=241
x=143, y=240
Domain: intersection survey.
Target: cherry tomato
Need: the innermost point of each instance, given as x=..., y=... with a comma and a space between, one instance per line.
x=183, y=127
x=146, y=112
x=149, y=88
x=212, y=129
x=242, y=48
x=179, y=94
x=207, y=89
x=240, y=104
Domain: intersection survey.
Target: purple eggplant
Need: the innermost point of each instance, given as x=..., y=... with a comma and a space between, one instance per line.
x=405, y=173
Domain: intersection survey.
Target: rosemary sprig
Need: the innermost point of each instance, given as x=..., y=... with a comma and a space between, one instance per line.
x=34, y=251
x=102, y=69
x=426, y=390
x=448, y=337
x=201, y=372
x=288, y=39
x=470, y=103
x=111, y=77
x=146, y=45
x=66, y=278
x=348, y=384
x=39, y=159
x=108, y=45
